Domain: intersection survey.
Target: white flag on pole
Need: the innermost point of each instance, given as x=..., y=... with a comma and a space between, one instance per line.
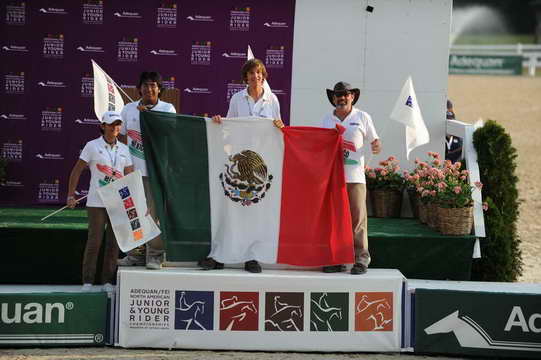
x=250, y=56
x=126, y=205
x=408, y=112
x=106, y=94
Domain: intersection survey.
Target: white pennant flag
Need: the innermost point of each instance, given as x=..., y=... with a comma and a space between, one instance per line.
x=126, y=205
x=250, y=56
x=408, y=112
x=106, y=94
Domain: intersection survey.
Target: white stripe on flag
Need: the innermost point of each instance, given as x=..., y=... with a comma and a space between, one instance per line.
x=243, y=230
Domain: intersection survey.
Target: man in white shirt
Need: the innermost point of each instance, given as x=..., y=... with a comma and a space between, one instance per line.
x=150, y=88
x=359, y=130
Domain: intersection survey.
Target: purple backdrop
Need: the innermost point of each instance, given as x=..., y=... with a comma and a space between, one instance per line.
x=47, y=115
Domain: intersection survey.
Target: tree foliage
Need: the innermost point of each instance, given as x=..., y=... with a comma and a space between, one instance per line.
x=501, y=256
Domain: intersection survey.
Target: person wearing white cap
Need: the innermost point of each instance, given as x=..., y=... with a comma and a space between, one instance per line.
x=108, y=159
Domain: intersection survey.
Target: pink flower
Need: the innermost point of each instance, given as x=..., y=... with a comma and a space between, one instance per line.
x=372, y=175
x=458, y=164
x=383, y=172
x=478, y=185
x=463, y=177
x=436, y=162
x=391, y=158
x=433, y=193
x=436, y=155
x=442, y=185
x=367, y=168
x=457, y=189
x=485, y=206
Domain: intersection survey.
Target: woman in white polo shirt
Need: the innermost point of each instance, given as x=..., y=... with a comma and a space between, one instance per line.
x=108, y=159
x=255, y=100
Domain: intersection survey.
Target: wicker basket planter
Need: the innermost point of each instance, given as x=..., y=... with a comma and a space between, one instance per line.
x=422, y=212
x=432, y=216
x=414, y=202
x=455, y=221
x=386, y=203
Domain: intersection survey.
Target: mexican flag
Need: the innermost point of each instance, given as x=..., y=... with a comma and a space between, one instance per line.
x=246, y=190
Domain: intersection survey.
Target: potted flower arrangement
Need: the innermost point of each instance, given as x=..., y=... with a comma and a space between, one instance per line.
x=423, y=178
x=385, y=185
x=454, y=200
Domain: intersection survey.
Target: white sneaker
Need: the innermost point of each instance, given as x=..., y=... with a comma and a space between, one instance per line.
x=154, y=262
x=130, y=260
x=87, y=288
x=108, y=287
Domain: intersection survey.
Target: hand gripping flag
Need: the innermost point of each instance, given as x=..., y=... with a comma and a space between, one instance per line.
x=106, y=94
x=408, y=112
x=126, y=205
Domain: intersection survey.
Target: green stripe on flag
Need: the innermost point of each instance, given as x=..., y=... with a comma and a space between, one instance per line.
x=350, y=162
x=177, y=162
x=136, y=152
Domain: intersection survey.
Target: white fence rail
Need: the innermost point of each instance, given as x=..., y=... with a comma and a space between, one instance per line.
x=465, y=131
x=531, y=53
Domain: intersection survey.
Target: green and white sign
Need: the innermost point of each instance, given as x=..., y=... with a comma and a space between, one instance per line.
x=52, y=319
x=478, y=323
x=485, y=64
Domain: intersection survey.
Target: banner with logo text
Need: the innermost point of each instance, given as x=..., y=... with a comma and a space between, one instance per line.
x=284, y=311
x=474, y=323
x=47, y=114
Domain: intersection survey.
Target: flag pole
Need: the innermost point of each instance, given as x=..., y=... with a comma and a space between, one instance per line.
x=59, y=210
x=114, y=82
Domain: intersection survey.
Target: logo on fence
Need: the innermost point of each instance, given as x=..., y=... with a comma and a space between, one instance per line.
x=274, y=57
x=48, y=192
x=246, y=178
x=201, y=53
x=15, y=48
x=329, y=311
x=472, y=335
x=239, y=19
x=239, y=311
x=51, y=119
x=374, y=311
x=14, y=83
x=167, y=15
x=16, y=13
x=128, y=50
x=12, y=151
x=53, y=46
x=284, y=311
x=233, y=87
x=200, y=18
x=93, y=12
x=194, y=310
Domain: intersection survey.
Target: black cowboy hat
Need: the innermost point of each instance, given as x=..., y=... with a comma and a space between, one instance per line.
x=340, y=87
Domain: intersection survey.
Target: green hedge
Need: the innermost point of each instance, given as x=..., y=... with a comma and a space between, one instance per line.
x=500, y=250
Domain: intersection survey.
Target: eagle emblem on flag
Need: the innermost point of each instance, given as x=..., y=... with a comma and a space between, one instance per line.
x=246, y=178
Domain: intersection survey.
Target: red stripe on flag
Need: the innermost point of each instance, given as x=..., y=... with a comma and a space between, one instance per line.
x=136, y=135
x=349, y=145
x=315, y=223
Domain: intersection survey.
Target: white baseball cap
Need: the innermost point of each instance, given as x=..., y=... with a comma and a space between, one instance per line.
x=110, y=117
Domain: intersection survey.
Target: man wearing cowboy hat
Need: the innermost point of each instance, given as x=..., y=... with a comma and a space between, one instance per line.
x=359, y=130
